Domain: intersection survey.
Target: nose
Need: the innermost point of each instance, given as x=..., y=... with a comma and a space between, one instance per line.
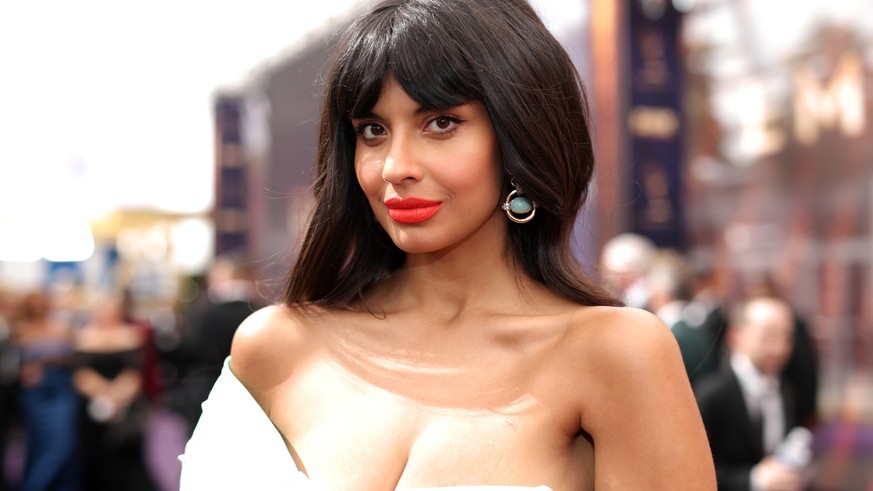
x=401, y=162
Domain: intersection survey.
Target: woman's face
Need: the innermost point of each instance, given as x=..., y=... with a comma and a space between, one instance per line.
x=108, y=312
x=431, y=176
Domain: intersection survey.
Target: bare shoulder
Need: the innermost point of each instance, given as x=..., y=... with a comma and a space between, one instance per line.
x=620, y=354
x=266, y=344
x=621, y=338
x=633, y=397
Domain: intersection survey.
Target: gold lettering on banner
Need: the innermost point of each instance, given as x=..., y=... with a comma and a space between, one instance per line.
x=659, y=212
x=231, y=220
x=835, y=103
x=659, y=123
x=231, y=155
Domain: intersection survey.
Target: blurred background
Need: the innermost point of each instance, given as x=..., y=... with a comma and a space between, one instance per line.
x=142, y=143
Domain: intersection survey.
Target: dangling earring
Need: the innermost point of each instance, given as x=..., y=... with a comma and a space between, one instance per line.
x=516, y=205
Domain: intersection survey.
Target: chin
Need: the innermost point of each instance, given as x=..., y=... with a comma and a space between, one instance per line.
x=411, y=245
x=415, y=248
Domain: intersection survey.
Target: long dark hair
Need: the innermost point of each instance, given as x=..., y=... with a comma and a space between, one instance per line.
x=445, y=53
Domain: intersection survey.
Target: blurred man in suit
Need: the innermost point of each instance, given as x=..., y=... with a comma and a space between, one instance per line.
x=746, y=408
x=801, y=371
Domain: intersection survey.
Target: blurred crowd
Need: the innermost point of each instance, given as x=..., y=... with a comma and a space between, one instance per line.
x=83, y=381
x=748, y=354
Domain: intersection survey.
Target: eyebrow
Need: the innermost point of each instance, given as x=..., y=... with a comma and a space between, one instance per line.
x=419, y=110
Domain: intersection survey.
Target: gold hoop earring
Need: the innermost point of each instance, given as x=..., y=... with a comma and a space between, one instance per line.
x=518, y=208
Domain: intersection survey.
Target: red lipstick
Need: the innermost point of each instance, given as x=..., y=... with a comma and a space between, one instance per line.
x=411, y=210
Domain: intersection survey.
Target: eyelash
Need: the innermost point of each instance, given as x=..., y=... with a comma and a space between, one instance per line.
x=362, y=128
x=451, y=119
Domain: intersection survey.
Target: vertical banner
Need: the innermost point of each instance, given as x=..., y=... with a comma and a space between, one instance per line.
x=654, y=122
x=231, y=183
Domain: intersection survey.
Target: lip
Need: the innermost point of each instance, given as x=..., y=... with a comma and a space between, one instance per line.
x=411, y=210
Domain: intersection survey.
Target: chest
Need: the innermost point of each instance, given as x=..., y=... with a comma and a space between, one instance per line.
x=431, y=429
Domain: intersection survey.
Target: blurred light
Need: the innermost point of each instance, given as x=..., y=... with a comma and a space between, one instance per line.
x=67, y=240
x=59, y=239
x=22, y=276
x=838, y=102
x=684, y=5
x=16, y=242
x=155, y=244
x=136, y=134
x=129, y=244
x=192, y=244
x=757, y=137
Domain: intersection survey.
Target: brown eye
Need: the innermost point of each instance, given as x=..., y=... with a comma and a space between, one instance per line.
x=371, y=131
x=443, y=124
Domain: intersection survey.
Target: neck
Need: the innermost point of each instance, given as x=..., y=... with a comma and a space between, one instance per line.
x=476, y=276
x=430, y=281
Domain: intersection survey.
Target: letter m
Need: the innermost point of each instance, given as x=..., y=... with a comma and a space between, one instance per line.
x=838, y=102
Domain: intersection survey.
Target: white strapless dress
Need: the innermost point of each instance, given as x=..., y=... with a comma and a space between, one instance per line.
x=235, y=446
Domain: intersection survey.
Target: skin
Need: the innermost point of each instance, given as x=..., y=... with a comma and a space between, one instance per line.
x=451, y=156
x=767, y=336
x=467, y=372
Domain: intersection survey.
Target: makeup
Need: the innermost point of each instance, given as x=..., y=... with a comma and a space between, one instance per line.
x=410, y=211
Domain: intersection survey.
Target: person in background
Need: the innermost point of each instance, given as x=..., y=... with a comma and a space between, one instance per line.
x=670, y=284
x=109, y=376
x=8, y=378
x=153, y=383
x=47, y=400
x=436, y=329
x=230, y=298
x=624, y=264
x=706, y=308
x=746, y=407
x=802, y=368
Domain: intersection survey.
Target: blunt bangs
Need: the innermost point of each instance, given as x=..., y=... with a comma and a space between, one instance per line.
x=422, y=49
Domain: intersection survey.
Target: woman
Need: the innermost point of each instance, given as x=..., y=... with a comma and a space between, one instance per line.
x=436, y=331
x=109, y=376
x=46, y=396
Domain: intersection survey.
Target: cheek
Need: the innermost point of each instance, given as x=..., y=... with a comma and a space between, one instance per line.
x=481, y=174
x=475, y=183
x=369, y=176
x=494, y=179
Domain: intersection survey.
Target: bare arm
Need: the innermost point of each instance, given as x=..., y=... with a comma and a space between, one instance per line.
x=640, y=411
x=122, y=389
x=89, y=383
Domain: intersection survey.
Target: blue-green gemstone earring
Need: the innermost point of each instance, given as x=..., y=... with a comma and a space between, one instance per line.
x=517, y=206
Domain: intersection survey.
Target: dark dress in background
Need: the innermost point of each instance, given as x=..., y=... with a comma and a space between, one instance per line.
x=113, y=450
